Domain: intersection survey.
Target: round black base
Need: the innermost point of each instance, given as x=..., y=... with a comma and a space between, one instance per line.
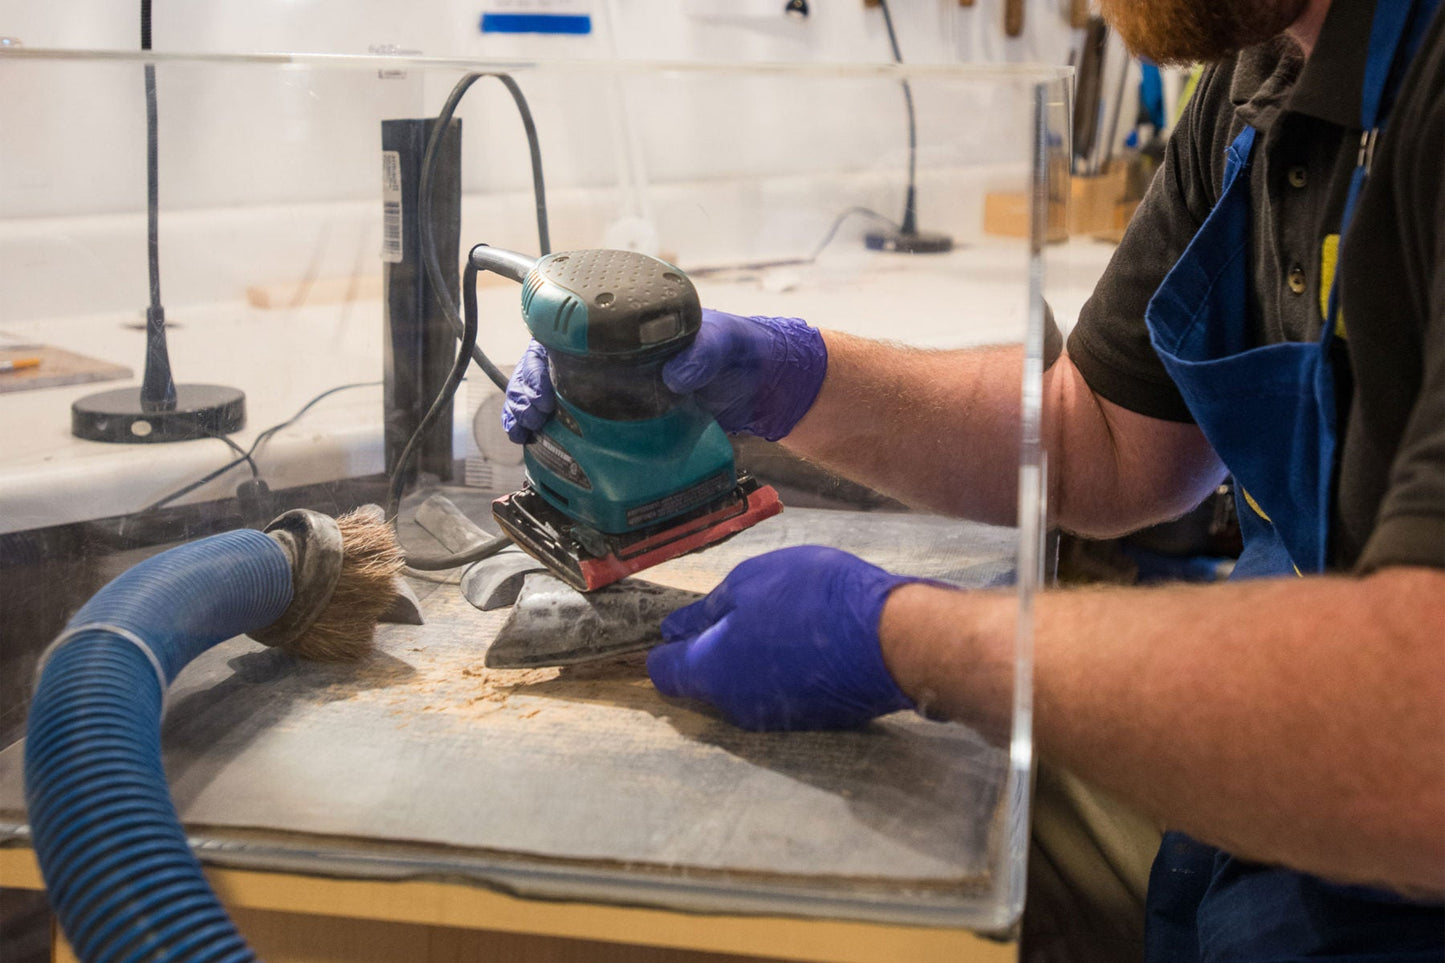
x=921, y=242
x=201, y=411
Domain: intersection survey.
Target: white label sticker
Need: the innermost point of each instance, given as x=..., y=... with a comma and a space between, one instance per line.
x=391, y=206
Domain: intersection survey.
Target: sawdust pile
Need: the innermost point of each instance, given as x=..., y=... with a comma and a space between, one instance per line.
x=467, y=690
x=495, y=685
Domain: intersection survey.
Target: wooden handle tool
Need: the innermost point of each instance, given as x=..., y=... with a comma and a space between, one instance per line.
x=1013, y=17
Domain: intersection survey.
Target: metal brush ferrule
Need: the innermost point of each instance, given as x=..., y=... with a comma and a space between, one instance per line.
x=312, y=541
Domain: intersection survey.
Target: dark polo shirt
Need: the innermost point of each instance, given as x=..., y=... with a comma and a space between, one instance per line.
x=1389, y=506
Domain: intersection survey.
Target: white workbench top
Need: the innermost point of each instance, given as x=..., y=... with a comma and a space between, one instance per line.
x=282, y=358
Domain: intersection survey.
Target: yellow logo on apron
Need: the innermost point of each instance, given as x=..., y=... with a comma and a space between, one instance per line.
x=1329, y=259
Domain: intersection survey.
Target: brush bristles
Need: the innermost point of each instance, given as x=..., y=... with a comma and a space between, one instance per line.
x=371, y=562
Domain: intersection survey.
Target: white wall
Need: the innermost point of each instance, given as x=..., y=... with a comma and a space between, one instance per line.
x=930, y=31
x=297, y=146
x=56, y=118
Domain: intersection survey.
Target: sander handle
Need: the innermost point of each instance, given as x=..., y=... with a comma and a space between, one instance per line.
x=509, y=264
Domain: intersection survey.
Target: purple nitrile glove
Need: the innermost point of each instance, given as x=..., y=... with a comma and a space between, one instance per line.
x=530, y=398
x=789, y=640
x=756, y=375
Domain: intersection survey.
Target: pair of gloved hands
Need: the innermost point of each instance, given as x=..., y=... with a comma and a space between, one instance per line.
x=789, y=640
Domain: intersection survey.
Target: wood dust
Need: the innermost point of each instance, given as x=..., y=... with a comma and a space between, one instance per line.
x=471, y=691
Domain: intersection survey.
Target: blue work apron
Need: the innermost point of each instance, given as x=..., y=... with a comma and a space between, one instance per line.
x=1269, y=412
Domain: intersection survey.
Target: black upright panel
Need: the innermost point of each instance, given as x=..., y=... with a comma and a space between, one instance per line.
x=420, y=344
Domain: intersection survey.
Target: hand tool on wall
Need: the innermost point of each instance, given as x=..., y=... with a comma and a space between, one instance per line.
x=1013, y=17
x=624, y=474
x=1089, y=92
x=1116, y=111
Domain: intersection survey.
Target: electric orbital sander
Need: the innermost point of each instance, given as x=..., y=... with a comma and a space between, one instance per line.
x=625, y=474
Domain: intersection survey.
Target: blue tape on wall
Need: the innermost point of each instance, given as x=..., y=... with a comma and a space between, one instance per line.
x=536, y=23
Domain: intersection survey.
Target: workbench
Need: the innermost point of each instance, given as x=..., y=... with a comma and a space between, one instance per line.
x=320, y=919
x=703, y=854
x=422, y=789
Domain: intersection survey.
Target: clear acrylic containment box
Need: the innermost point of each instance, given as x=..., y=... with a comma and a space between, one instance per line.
x=278, y=224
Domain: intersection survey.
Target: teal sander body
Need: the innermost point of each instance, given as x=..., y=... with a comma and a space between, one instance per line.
x=625, y=474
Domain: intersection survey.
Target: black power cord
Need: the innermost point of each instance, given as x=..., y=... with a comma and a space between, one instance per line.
x=465, y=327
x=797, y=261
x=247, y=456
x=428, y=242
x=243, y=454
x=838, y=222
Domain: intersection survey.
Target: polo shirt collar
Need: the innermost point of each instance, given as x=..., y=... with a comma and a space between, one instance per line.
x=1329, y=86
x=1263, y=77
x=1274, y=76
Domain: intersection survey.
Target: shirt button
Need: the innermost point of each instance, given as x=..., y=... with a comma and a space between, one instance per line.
x=1298, y=177
x=1297, y=280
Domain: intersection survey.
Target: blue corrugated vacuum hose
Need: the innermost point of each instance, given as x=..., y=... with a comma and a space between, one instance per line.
x=117, y=867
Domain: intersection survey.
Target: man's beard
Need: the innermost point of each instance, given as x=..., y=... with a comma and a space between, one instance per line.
x=1198, y=31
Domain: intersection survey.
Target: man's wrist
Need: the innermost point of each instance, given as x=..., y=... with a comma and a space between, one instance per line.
x=952, y=652
x=901, y=637
x=803, y=368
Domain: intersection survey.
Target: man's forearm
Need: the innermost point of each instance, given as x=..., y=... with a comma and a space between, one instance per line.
x=1296, y=721
x=941, y=430
x=937, y=430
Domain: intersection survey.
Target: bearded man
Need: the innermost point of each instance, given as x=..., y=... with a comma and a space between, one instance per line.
x=1275, y=313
